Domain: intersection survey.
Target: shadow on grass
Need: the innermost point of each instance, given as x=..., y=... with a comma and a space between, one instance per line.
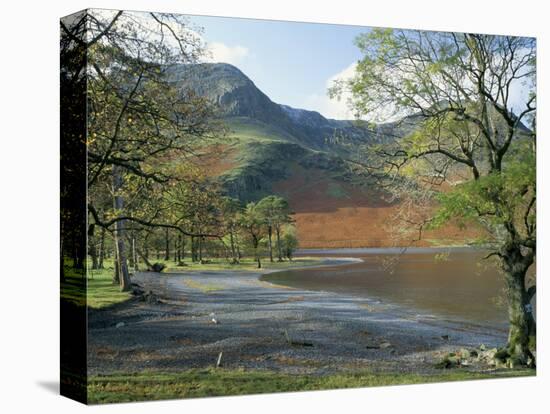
x=95, y=289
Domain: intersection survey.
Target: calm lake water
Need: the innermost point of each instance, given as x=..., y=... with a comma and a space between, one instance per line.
x=451, y=283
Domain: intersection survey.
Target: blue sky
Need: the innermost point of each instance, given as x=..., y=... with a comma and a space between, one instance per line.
x=291, y=62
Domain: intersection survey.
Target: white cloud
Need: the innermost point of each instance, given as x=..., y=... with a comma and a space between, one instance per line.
x=520, y=91
x=150, y=29
x=344, y=74
x=339, y=108
x=220, y=52
x=333, y=108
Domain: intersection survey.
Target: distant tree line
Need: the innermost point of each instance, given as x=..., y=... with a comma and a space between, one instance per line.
x=257, y=229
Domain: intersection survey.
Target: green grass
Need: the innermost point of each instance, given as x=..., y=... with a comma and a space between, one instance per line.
x=73, y=289
x=250, y=130
x=267, y=154
x=99, y=291
x=217, y=382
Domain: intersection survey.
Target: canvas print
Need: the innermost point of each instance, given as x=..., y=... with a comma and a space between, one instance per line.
x=252, y=206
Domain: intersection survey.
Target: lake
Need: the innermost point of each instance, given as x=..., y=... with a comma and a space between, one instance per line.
x=455, y=283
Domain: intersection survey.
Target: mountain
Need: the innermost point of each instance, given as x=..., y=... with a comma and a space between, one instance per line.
x=298, y=154
x=238, y=96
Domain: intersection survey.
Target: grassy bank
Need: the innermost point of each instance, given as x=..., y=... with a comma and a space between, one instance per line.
x=97, y=291
x=218, y=382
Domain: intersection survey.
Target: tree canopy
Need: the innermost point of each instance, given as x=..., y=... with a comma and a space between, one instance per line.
x=473, y=153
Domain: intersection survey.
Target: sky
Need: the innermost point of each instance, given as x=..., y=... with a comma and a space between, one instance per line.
x=296, y=63
x=293, y=63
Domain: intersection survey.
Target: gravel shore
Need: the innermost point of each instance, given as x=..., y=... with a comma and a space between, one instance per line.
x=258, y=325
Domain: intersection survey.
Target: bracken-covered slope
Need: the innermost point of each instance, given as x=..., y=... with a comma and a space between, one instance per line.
x=273, y=148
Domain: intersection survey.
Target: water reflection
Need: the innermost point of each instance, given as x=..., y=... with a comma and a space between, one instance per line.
x=456, y=283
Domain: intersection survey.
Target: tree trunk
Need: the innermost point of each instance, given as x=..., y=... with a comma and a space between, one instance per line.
x=531, y=318
x=270, y=233
x=182, y=248
x=101, y=249
x=233, y=253
x=122, y=262
x=167, y=245
x=92, y=250
x=193, y=249
x=79, y=253
x=279, y=250
x=179, y=249
x=256, y=243
x=145, y=258
x=118, y=203
x=518, y=313
x=134, y=254
x=116, y=275
x=522, y=324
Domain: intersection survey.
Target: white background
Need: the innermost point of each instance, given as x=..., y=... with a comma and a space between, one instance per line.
x=29, y=174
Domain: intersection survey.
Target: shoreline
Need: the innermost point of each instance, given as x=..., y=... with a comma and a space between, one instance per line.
x=327, y=261
x=402, y=309
x=388, y=250
x=260, y=325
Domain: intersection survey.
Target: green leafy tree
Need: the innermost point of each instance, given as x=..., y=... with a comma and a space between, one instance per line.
x=275, y=212
x=193, y=203
x=253, y=223
x=231, y=210
x=457, y=89
x=289, y=241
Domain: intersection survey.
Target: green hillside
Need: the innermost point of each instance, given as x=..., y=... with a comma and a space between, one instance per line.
x=266, y=154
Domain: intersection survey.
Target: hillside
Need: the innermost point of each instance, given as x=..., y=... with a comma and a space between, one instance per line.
x=273, y=148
